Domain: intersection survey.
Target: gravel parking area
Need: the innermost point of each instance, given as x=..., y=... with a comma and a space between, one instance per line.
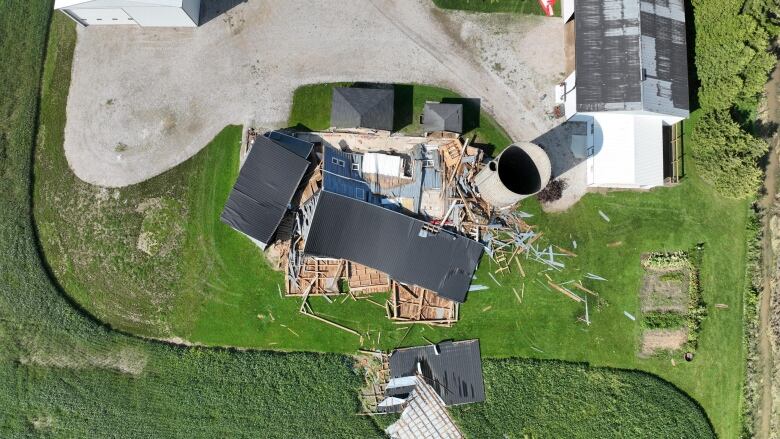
x=144, y=100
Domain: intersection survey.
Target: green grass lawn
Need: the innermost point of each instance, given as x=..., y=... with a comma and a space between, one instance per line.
x=210, y=285
x=515, y=6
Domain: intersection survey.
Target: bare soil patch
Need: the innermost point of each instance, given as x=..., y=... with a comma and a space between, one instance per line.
x=665, y=290
x=658, y=340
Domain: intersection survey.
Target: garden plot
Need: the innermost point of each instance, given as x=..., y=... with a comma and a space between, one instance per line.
x=670, y=302
x=665, y=290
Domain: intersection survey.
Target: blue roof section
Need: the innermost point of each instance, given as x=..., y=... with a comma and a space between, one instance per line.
x=295, y=145
x=342, y=176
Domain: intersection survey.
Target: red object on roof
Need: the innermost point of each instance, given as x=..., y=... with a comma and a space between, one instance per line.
x=547, y=7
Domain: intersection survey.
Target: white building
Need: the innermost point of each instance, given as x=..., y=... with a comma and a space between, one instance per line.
x=626, y=89
x=147, y=13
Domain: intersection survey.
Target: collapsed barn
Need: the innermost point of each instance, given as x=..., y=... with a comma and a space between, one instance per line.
x=360, y=210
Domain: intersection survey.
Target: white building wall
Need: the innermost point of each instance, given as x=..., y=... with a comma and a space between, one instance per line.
x=160, y=16
x=612, y=165
x=649, y=151
x=567, y=10
x=150, y=13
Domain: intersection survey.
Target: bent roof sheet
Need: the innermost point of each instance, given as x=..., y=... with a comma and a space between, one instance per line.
x=345, y=228
x=362, y=108
x=631, y=55
x=264, y=188
x=455, y=373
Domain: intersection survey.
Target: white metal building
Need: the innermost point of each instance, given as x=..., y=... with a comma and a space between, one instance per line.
x=147, y=13
x=627, y=89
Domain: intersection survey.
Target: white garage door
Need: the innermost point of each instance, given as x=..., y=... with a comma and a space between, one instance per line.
x=92, y=16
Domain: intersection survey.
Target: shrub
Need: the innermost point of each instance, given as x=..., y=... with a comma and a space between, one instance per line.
x=726, y=155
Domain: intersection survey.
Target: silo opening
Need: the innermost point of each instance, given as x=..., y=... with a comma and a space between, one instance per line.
x=518, y=172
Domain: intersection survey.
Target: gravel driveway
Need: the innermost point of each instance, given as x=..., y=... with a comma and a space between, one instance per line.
x=144, y=100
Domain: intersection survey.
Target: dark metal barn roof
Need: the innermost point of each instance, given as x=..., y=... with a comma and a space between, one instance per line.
x=394, y=243
x=455, y=373
x=265, y=186
x=362, y=108
x=631, y=56
x=443, y=117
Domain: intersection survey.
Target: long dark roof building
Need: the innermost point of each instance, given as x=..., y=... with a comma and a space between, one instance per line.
x=266, y=184
x=631, y=56
x=453, y=369
x=362, y=108
x=394, y=243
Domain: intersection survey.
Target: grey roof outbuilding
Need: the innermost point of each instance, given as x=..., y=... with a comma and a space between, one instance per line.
x=265, y=187
x=394, y=243
x=631, y=56
x=362, y=108
x=443, y=117
x=452, y=369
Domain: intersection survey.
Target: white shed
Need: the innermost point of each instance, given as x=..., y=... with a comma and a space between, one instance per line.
x=148, y=13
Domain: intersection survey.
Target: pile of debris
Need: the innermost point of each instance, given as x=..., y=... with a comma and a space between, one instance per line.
x=432, y=178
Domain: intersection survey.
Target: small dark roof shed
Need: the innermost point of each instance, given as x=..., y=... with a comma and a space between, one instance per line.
x=265, y=186
x=394, y=243
x=443, y=117
x=452, y=369
x=362, y=108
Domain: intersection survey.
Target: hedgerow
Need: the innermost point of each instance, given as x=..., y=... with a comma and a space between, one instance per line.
x=732, y=63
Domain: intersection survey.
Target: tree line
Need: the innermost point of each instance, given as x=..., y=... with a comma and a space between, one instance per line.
x=733, y=59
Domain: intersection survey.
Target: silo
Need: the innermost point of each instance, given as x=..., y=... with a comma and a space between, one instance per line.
x=518, y=172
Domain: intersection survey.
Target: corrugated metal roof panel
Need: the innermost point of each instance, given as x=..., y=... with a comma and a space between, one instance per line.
x=265, y=186
x=631, y=56
x=391, y=242
x=455, y=373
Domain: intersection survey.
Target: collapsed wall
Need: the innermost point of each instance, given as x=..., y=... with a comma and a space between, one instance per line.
x=520, y=171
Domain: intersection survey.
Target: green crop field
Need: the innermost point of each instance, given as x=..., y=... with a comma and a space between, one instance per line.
x=64, y=375
x=190, y=277
x=526, y=398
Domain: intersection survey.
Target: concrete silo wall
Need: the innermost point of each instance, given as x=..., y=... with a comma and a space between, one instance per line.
x=518, y=172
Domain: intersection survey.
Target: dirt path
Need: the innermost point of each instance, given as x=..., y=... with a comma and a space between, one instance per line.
x=766, y=360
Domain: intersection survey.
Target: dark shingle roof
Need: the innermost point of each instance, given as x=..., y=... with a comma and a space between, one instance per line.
x=345, y=228
x=631, y=56
x=362, y=108
x=443, y=117
x=265, y=186
x=455, y=373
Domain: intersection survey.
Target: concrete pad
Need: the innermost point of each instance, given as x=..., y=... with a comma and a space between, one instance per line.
x=144, y=100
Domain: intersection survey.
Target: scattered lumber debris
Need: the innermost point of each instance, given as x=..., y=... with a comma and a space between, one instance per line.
x=415, y=304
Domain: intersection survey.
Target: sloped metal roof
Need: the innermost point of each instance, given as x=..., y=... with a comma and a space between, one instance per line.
x=362, y=108
x=265, y=186
x=631, y=56
x=394, y=243
x=443, y=117
x=455, y=373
